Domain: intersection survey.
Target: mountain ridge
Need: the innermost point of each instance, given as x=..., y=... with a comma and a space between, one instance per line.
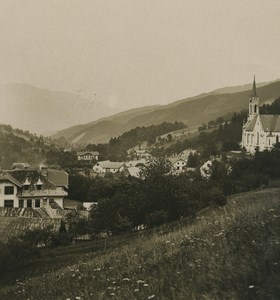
x=192, y=111
x=29, y=103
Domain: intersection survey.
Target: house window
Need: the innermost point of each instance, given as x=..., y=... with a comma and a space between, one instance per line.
x=277, y=138
x=39, y=187
x=21, y=203
x=29, y=203
x=37, y=203
x=8, y=203
x=9, y=190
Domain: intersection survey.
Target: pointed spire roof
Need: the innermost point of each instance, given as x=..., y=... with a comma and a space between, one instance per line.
x=27, y=181
x=254, y=94
x=39, y=182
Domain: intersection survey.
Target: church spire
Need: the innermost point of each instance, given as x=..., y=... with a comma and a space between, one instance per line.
x=254, y=88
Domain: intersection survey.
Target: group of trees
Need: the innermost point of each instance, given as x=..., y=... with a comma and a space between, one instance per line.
x=156, y=198
x=116, y=149
x=273, y=108
x=225, y=138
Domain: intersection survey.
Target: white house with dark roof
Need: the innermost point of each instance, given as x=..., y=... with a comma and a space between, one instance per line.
x=87, y=155
x=260, y=131
x=108, y=166
x=29, y=189
x=179, y=164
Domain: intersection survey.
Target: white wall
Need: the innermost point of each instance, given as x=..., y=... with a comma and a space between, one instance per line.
x=8, y=197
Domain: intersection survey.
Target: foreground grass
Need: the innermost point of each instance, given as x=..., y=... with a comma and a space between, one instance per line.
x=228, y=253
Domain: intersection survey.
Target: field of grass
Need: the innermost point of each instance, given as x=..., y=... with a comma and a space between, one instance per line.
x=226, y=253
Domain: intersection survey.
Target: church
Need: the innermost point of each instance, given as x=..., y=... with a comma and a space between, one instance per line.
x=260, y=131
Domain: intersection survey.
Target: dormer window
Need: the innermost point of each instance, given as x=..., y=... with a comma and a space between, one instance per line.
x=39, y=184
x=26, y=184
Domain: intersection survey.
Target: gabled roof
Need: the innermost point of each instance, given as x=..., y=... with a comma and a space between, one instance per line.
x=8, y=177
x=15, y=221
x=134, y=171
x=33, y=175
x=173, y=160
x=107, y=164
x=58, y=177
x=251, y=124
x=88, y=152
x=270, y=123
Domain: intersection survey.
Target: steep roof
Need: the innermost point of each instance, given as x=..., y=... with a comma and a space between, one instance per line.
x=173, y=160
x=87, y=152
x=254, y=92
x=12, y=224
x=57, y=177
x=251, y=124
x=134, y=171
x=8, y=177
x=270, y=123
x=33, y=175
x=106, y=164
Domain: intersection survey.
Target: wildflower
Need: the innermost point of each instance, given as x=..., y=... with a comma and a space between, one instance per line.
x=136, y=290
x=140, y=281
x=77, y=297
x=146, y=284
x=126, y=279
x=113, y=294
x=251, y=286
x=275, y=264
x=151, y=297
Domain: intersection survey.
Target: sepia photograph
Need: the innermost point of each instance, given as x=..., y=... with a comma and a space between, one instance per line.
x=139, y=149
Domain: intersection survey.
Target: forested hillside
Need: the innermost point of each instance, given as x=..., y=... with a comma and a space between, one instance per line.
x=192, y=111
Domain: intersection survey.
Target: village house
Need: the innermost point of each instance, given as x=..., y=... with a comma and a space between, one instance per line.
x=206, y=169
x=29, y=188
x=179, y=164
x=260, y=131
x=108, y=166
x=87, y=155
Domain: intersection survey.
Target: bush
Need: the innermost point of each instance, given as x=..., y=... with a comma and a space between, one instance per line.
x=156, y=218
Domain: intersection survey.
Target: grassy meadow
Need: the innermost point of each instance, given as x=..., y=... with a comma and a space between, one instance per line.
x=226, y=253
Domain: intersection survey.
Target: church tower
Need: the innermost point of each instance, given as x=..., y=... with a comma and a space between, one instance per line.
x=253, y=102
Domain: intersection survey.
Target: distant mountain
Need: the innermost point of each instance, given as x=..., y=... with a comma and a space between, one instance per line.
x=192, y=111
x=41, y=110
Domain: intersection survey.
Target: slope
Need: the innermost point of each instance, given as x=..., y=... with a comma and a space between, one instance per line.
x=225, y=253
x=41, y=110
x=192, y=111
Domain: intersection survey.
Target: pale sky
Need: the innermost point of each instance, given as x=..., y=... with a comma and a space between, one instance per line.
x=132, y=53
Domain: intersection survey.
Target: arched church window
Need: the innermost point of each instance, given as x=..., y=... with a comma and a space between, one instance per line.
x=277, y=138
x=255, y=109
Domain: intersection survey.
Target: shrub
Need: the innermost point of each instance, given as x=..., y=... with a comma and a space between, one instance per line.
x=156, y=218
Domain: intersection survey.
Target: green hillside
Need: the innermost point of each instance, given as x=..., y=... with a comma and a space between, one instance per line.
x=192, y=111
x=225, y=253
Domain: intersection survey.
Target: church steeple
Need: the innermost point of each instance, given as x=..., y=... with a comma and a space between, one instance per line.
x=254, y=88
x=253, y=101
